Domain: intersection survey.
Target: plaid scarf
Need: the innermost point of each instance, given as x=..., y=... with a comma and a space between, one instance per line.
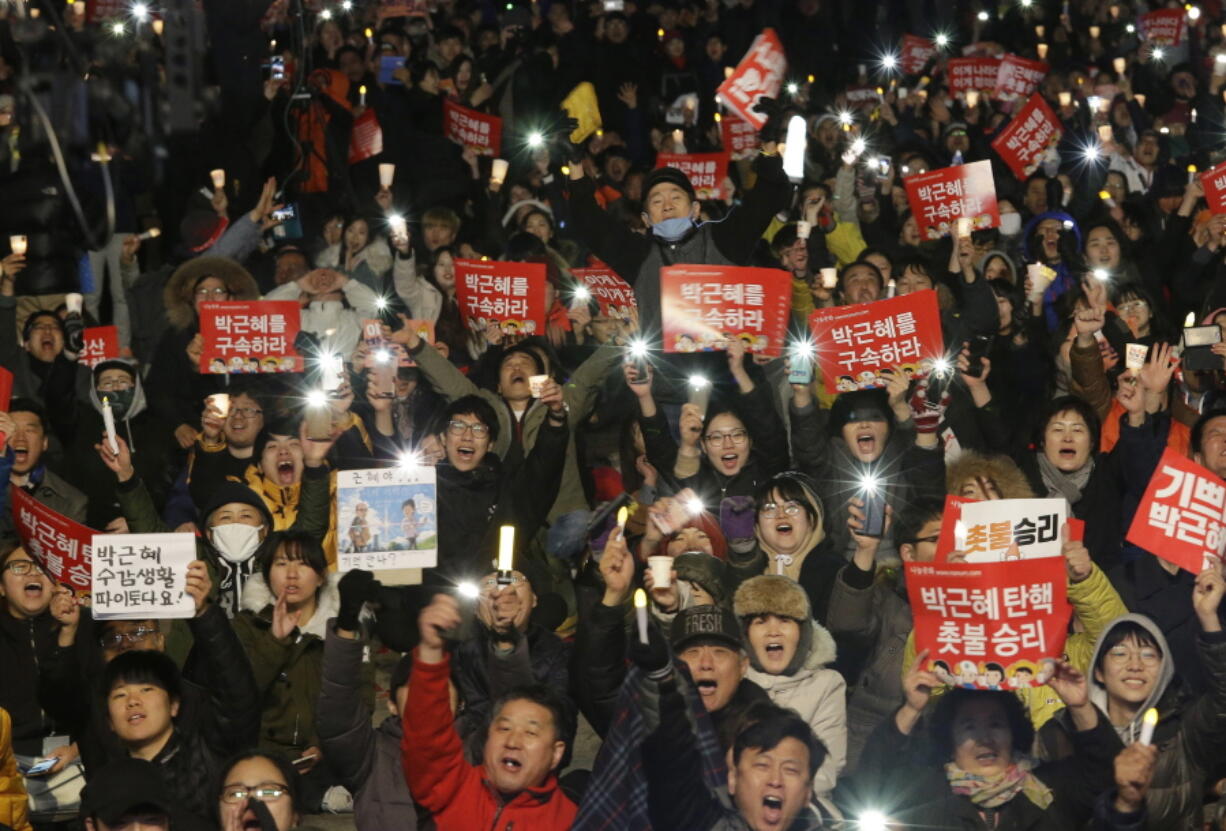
x=995, y=791
x=616, y=798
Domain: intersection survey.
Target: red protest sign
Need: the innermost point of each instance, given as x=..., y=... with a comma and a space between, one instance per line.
x=964, y=74
x=60, y=545
x=759, y=74
x=949, y=521
x=473, y=130
x=372, y=337
x=853, y=344
x=1163, y=27
x=249, y=336
x=611, y=292
x=1213, y=181
x=512, y=294
x=989, y=625
x=97, y=10
x=705, y=305
x=915, y=53
x=940, y=198
x=739, y=137
x=1018, y=77
x=366, y=138
x=1182, y=517
x=1028, y=135
x=101, y=344
x=6, y=393
x=862, y=97
x=706, y=171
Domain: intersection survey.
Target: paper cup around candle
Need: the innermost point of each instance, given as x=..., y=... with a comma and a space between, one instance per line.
x=1104, y=132
x=964, y=227
x=1095, y=31
x=1140, y=96
x=1042, y=50
x=1038, y=280
x=536, y=383
x=73, y=302
x=1065, y=98
x=221, y=403
x=661, y=570
x=972, y=98
x=830, y=278
x=803, y=229
x=18, y=243
x=387, y=172
x=1119, y=65
x=219, y=178
x=1135, y=356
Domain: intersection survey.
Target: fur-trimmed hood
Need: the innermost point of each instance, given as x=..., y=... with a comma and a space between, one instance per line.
x=258, y=599
x=1001, y=470
x=179, y=294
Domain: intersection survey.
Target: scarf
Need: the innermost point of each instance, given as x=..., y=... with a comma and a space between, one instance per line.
x=995, y=791
x=1059, y=483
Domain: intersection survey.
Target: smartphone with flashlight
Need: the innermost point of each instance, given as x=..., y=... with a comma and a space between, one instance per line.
x=276, y=68
x=800, y=369
x=284, y=213
x=874, y=512
x=614, y=5
x=318, y=422
x=883, y=166
x=641, y=370
x=977, y=348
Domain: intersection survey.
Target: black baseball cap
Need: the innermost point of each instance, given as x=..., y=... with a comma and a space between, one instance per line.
x=705, y=624
x=669, y=175
x=124, y=787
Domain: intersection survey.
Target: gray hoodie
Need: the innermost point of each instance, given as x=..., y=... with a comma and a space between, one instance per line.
x=1098, y=693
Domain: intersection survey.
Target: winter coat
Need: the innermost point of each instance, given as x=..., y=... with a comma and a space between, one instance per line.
x=48, y=384
x=456, y=792
x=13, y=798
x=1190, y=735
x=342, y=319
x=289, y=671
x=819, y=695
x=282, y=503
x=26, y=647
x=48, y=489
x=366, y=758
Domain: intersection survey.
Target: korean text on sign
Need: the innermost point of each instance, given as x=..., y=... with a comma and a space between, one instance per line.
x=941, y=197
x=249, y=336
x=1182, y=517
x=1018, y=77
x=989, y=625
x=613, y=294
x=705, y=306
x=986, y=531
x=740, y=138
x=706, y=171
x=511, y=294
x=1162, y=27
x=859, y=346
x=1214, y=182
x=57, y=542
x=101, y=343
x=474, y=130
x=387, y=518
x=137, y=576
x=759, y=74
x=1028, y=135
x=972, y=73
x=915, y=53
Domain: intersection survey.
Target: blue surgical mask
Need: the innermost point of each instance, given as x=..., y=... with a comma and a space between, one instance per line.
x=671, y=230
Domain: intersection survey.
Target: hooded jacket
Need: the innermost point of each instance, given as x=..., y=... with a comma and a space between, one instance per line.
x=1190, y=735
x=1065, y=278
x=13, y=798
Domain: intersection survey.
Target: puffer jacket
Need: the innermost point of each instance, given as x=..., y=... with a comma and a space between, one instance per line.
x=26, y=647
x=1190, y=735
x=13, y=798
x=289, y=671
x=819, y=695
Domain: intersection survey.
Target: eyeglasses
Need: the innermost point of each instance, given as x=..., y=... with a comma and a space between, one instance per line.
x=459, y=428
x=1149, y=656
x=514, y=580
x=770, y=510
x=219, y=292
x=45, y=327
x=117, y=639
x=738, y=437
x=264, y=792
x=113, y=385
x=1132, y=307
x=246, y=412
x=23, y=567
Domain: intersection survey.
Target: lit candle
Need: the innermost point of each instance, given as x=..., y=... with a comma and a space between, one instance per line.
x=108, y=420
x=1094, y=32
x=1191, y=173
x=387, y=170
x=362, y=95
x=623, y=513
x=219, y=178
x=18, y=243
x=152, y=233
x=498, y=170
x=1042, y=50
x=1119, y=64
x=640, y=613
x=1148, y=722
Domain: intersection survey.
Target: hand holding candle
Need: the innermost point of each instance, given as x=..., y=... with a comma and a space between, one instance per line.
x=18, y=244
x=506, y=552
x=219, y=178
x=108, y=421
x=640, y=613
x=1148, y=722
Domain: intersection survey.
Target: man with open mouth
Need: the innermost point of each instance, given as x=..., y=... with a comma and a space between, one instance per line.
x=28, y=428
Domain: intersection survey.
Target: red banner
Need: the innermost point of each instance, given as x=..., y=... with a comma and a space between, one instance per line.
x=60, y=544
x=1163, y=27
x=963, y=74
x=854, y=344
x=940, y=198
x=101, y=344
x=1018, y=77
x=611, y=292
x=249, y=336
x=1213, y=181
x=372, y=336
x=705, y=305
x=915, y=54
x=989, y=625
x=706, y=171
x=473, y=130
x=6, y=393
x=759, y=74
x=1028, y=135
x=513, y=294
x=366, y=138
x=1182, y=517
x=739, y=137
x=862, y=97
x=98, y=10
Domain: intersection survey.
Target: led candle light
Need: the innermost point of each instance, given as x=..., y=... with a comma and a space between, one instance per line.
x=159, y=26
x=219, y=178
x=830, y=278
x=1148, y=722
x=1191, y=173
x=18, y=244
x=1104, y=133
x=678, y=141
x=108, y=420
x=506, y=553
x=964, y=227
x=362, y=96
x=623, y=514
x=640, y=613
x=1039, y=30
x=1140, y=98
x=794, y=148
x=152, y=233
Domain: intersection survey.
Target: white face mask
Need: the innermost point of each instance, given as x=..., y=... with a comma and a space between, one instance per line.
x=1011, y=224
x=235, y=541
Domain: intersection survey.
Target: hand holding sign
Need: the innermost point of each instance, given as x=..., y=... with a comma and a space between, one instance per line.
x=917, y=686
x=1077, y=560
x=199, y=584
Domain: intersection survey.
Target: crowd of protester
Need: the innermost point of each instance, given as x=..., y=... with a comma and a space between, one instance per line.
x=777, y=683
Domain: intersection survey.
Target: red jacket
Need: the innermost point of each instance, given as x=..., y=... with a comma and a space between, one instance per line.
x=455, y=791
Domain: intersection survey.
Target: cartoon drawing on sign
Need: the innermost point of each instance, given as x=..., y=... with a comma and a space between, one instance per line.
x=388, y=518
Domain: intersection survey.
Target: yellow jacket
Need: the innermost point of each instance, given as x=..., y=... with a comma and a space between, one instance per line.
x=1095, y=604
x=282, y=503
x=13, y=800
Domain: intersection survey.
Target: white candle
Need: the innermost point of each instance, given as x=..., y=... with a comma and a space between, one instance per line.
x=152, y=233
x=362, y=96
x=18, y=243
x=1148, y=722
x=506, y=548
x=108, y=419
x=623, y=513
x=219, y=178
x=640, y=613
